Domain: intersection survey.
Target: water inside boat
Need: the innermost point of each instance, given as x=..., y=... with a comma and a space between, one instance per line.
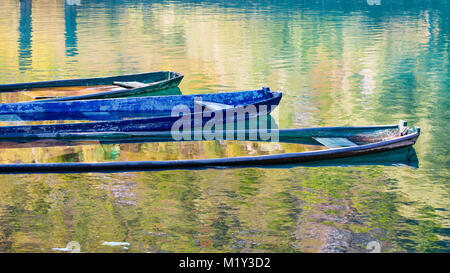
x=144, y=146
x=58, y=151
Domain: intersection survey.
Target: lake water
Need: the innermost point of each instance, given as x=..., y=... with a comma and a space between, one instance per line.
x=347, y=63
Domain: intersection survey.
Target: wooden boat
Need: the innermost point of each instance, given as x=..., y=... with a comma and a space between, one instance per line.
x=343, y=143
x=95, y=88
x=128, y=114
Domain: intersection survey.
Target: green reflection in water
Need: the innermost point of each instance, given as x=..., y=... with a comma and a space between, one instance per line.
x=340, y=209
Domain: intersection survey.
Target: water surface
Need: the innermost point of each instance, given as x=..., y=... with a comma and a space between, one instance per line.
x=345, y=63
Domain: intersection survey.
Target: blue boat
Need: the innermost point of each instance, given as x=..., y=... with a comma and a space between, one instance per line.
x=95, y=88
x=130, y=114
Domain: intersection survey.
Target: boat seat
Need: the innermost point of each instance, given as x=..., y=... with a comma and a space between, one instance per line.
x=10, y=118
x=130, y=84
x=213, y=106
x=335, y=142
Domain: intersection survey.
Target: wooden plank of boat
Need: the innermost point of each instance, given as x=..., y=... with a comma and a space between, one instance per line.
x=126, y=114
x=378, y=142
x=334, y=142
x=213, y=106
x=96, y=88
x=130, y=84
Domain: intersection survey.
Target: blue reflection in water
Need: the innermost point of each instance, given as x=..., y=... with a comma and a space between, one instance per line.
x=25, y=34
x=70, y=16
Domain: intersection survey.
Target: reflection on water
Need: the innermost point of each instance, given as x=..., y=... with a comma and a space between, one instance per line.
x=25, y=34
x=70, y=16
x=337, y=63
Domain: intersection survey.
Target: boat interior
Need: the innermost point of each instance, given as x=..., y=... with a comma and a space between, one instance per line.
x=41, y=92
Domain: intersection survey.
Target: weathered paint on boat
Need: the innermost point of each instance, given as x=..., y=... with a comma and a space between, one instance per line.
x=156, y=110
x=154, y=81
x=369, y=139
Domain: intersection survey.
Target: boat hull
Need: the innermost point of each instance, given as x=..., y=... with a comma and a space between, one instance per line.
x=153, y=106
